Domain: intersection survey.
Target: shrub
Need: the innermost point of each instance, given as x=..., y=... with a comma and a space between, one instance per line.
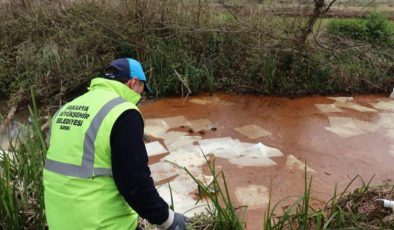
x=375, y=28
x=351, y=28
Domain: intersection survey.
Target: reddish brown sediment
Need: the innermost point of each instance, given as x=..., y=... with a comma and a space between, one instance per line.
x=298, y=128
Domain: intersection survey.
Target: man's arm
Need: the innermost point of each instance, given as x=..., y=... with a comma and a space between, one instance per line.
x=131, y=172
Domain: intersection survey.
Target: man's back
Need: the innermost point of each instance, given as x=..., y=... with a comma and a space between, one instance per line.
x=79, y=190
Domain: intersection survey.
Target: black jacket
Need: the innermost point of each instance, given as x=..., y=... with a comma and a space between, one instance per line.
x=130, y=168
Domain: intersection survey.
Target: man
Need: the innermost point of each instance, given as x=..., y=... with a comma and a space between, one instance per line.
x=96, y=174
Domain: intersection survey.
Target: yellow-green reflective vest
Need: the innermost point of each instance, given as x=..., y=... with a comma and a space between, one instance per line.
x=80, y=192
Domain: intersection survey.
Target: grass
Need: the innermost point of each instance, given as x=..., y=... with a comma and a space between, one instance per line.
x=21, y=185
x=221, y=210
x=57, y=47
x=345, y=210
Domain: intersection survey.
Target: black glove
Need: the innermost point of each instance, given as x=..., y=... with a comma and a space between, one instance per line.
x=179, y=222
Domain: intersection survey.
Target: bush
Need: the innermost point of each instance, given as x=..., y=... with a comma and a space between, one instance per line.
x=351, y=28
x=56, y=47
x=375, y=28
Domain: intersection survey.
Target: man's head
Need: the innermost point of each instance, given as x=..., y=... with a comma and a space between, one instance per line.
x=130, y=72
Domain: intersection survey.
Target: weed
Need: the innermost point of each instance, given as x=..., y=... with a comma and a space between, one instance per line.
x=356, y=210
x=22, y=203
x=220, y=208
x=375, y=28
x=237, y=46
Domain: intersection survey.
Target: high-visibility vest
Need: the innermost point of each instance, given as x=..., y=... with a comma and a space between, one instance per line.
x=79, y=190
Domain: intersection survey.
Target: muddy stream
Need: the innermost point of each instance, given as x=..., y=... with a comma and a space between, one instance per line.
x=256, y=140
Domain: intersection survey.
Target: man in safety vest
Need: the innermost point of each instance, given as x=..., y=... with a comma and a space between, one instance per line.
x=96, y=173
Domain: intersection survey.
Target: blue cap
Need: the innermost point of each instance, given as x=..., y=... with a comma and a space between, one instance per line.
x=127, y=68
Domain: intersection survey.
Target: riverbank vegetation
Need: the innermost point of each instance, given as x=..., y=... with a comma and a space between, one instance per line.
x=359, y=209
x=245, y=46
x=21, y=184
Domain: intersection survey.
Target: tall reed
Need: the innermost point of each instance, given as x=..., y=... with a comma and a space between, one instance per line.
x=21, y=185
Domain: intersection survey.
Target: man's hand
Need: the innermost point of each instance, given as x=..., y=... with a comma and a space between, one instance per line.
x=179, y=222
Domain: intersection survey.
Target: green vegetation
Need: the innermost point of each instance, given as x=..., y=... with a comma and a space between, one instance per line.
x=375, y=28
x=21, y=185
x=56, y=47
x=346, y=210
x=221, y=211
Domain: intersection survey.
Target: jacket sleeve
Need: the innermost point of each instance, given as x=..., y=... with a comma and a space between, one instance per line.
x=130, y=168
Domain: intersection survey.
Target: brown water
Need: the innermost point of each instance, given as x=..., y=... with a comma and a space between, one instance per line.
x=297, y=127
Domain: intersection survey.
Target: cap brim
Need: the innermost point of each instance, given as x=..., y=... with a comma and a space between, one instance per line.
x=147, y=88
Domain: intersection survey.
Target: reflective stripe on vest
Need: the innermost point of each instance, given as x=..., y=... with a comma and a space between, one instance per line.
x=86, y=170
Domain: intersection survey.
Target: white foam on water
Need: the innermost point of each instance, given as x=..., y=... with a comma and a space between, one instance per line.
x=189, y=158
x=206, y=100
x=350, y=105
x=210, y=145
x=254, y=196
x=345, y=131
x=227, y=153
x=155, y=127
x=392, y=150
x=183, y=203
x=187, y=151
x=341, y=121
x=390, y=133
x=163, y=171
x=328, y=108
x=200, y=124
x=172, y=136
x=342, y=99
x=386, y=120
x=346, y=126
x=293, y=163
x=366, y=126
x=253, y=131
x=181, y=142
x=175, y=122
x=210, y=100
x=261, y=150
x=384, y=105
x=251, y=161
x=155, y=148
